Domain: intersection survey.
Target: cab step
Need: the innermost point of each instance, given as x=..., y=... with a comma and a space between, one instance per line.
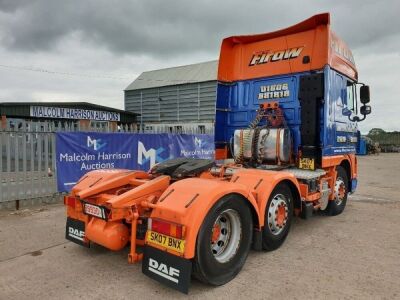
x=306, y=174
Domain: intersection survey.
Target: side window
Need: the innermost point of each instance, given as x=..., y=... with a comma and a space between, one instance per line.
x=350, y=95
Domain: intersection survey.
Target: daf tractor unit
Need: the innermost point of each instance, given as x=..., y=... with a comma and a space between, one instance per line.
x=288, y=103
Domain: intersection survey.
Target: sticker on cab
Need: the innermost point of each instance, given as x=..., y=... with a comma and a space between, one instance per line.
x=307, y=164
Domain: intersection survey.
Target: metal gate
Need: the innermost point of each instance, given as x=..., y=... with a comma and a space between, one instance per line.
x=28, y=162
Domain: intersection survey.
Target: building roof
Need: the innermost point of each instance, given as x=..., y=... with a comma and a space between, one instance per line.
x=206, y=71
x=22, y=109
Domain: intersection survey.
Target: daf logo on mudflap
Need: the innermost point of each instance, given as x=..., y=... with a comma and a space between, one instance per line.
x=171, y=270
x=163, y=270
x=76, y=234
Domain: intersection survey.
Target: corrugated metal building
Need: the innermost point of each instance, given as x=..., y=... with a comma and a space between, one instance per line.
x=179, y=99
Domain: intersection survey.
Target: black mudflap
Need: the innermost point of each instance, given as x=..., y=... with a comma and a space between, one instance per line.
x=166, y=268
x=75, y=232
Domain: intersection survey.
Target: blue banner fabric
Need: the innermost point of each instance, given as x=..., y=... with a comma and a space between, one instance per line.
x=80, y=152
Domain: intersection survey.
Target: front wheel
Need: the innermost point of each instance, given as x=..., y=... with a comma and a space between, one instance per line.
x=224, y=241
x=337, y=205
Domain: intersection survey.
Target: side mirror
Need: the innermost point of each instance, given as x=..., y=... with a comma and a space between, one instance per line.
x=365, y=110
x=364, y=94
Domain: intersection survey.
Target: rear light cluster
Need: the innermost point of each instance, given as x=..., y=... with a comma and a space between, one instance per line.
x=163, y=227
x=69, y=201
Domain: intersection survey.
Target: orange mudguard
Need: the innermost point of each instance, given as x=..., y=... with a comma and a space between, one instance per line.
x=188, y=201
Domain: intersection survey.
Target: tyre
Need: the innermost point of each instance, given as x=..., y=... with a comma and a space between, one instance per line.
x=224, y=241
x=336, y=206
x=278, y=217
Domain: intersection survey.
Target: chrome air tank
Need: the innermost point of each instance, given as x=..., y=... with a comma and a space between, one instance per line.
x=273, y=144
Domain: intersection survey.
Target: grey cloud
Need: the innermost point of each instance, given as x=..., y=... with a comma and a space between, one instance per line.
x=11, y=5
x=168, y=28
x=124, y=38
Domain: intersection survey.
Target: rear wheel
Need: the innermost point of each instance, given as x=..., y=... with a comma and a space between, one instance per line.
x=278, y=217
x=336, y=206
x=224, y=241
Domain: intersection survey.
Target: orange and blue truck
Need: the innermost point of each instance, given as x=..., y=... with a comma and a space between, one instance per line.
x=288, y=103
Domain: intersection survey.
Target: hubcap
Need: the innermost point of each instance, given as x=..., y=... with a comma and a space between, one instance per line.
x=340, y=191
x=226, y=235
x=277, y=214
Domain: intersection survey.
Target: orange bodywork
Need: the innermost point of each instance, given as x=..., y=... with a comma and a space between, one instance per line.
x=131, y=195
x=252, y=184
x=121, y=192
x=113, y=235
x=284, y=52
x=252, y=56
x=333, y=161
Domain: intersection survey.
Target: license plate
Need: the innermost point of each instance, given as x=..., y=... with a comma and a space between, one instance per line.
x=94, y=210
x=307, y=164
x=165, y=241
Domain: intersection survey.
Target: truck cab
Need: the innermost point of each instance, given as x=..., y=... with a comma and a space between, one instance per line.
x=310, y=73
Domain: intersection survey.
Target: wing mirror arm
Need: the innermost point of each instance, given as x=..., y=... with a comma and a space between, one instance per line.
x=357, y=118
x=364, y=99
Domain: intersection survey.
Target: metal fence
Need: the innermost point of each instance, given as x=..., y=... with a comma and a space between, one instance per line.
x=28, y=160
x=179, y=128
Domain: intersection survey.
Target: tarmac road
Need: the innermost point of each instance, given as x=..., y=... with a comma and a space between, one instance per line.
x=353, y=255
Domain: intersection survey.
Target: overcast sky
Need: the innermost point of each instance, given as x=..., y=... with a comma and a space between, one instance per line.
x=91, y=50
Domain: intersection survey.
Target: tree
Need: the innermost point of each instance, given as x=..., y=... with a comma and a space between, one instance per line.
x=376, y=131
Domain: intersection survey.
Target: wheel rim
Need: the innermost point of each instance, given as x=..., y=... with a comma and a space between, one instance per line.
x=277, y=214
x=226, y=235
x=340, y=191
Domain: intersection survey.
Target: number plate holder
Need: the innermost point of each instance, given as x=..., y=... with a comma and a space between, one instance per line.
x=94, y=210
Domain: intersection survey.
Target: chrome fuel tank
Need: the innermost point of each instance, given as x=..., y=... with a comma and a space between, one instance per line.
x=273, y=144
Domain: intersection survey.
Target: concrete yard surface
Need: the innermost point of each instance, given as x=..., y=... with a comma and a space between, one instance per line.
x=353, y=255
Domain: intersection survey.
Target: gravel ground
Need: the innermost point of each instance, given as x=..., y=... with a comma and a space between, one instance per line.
x=353, y=255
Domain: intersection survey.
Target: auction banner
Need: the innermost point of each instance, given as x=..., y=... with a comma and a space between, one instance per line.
x=80, y=152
